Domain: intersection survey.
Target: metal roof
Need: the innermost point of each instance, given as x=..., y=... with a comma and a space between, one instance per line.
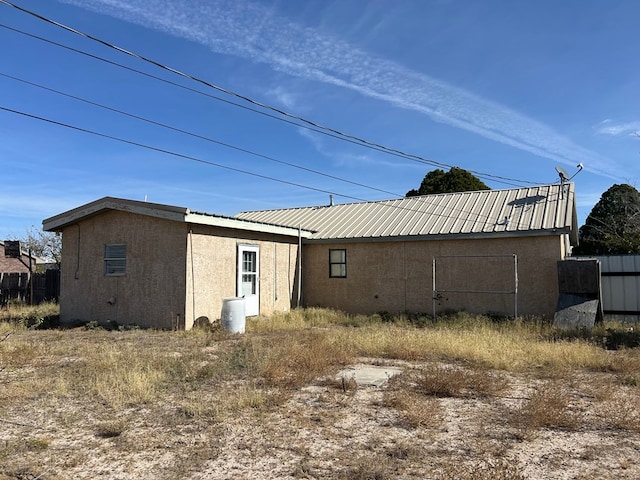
x=545, y=209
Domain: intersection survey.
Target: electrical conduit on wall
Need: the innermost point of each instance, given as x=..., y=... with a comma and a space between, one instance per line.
x=193, y=280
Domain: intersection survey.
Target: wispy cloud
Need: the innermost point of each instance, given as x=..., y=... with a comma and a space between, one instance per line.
x=609, y=127
x=254, y=32
x=282, y=97
x=341, y=159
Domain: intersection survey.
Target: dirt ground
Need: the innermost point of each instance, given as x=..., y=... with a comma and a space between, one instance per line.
x=328, y=429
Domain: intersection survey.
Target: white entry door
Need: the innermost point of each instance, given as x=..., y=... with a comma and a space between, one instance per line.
x=249, y=278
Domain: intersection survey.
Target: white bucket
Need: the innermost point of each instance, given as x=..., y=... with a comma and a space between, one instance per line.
x=232, y=316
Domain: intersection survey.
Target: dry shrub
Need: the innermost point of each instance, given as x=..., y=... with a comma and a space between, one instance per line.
x=293, y=360
x=368, y=468
x=621, y=412
x=406, y=449
x=601, y=388
x=415, y=410
x=549, y=406
x=626, y=363
x=346, y=384
x=450, y=381
x=494, y=469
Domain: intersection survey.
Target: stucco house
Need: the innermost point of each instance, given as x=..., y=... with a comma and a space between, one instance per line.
x=162, y=266
x=490, y=251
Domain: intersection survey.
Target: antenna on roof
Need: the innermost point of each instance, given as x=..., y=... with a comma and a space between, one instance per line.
x=564, y=176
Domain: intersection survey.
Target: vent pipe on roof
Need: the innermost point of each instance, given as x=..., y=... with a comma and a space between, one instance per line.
x=331, y=200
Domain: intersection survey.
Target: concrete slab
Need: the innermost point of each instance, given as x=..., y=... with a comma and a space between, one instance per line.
x=371, y=375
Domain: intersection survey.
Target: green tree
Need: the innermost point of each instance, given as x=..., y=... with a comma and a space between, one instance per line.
x=455, y=180
x=613, y=226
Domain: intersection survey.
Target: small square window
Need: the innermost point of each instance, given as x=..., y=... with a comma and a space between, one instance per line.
x=337, y=263
x=115, y=259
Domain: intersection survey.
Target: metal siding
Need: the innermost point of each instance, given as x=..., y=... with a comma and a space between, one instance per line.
x=621, y=293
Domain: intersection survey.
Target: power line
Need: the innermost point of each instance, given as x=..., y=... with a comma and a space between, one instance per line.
x=214, y=97
x=175, y=154
x=195, y=135
x=226, y=167
x=341, y=134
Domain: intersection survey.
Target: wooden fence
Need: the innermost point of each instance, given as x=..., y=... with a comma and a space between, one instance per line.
x=17, y=287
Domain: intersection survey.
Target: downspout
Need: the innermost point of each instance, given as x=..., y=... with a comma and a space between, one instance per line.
x=433, y=287
x=515, y=274
x=404, y=272
x=299, y=266
x=275, y=273
x=76, y=275
x=193, y=279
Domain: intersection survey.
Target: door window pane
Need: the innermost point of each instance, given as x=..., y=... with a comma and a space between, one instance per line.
x=248, y=285
x=249, y=262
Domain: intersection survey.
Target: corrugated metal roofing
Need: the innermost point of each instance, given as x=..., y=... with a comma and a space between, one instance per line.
x=530, y=210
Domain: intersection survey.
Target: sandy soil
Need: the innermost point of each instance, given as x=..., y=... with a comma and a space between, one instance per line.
x=327, y=429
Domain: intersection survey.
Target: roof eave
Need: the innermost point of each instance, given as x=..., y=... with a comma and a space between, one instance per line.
x=167, y=212
x=246, y=225
x=58, y=222
x=441, y=237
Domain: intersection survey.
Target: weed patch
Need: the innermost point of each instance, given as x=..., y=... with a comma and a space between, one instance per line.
x=549, y=406
x=475, y=397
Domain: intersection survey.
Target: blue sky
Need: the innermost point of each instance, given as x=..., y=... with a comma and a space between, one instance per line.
x=503, y=88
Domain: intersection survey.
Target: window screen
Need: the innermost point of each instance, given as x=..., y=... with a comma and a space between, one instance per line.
x=115, y=259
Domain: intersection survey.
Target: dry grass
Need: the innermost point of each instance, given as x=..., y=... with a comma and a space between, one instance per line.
x=473, y=396
x=24, y=316
x=549, y=406
x=415, y=410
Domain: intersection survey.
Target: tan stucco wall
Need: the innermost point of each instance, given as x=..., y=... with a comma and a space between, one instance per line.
x=175, y=272
x=397, y=276
x=150, y=294
x=212, y=257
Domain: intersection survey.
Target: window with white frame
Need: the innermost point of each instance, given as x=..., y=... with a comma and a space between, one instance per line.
x=337, y=263
x=115, y=259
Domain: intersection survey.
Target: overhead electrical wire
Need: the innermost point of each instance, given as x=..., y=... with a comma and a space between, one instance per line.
x=217, y=98
x=338, y=133
x=195, y=135
x=497, y=179
x=175, y=154
x=227, y=167
x=153, y=122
